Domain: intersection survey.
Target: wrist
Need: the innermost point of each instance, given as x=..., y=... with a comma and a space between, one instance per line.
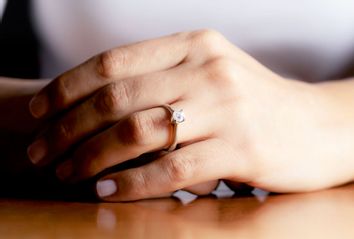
x=339, y=103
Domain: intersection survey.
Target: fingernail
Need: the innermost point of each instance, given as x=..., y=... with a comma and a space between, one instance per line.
x=106, y=188
x=39, y=105
x=37, y=151
x=65, y=170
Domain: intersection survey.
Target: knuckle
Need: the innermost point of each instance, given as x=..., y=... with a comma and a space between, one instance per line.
x=138, y=129
x=206, y=35
x=60, y=92
x=105, y=64
x=64, y=132
x=179, y=169
x=110, y=60
x=210, y=40
x=220, y=69
x=112, y=99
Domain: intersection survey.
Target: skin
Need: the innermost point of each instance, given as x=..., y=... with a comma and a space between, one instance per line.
x=244, y=123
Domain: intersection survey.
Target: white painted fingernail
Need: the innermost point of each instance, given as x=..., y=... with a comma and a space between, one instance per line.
x=106, y=188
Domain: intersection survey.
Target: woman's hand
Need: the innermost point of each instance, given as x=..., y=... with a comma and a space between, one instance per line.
x=243, y=122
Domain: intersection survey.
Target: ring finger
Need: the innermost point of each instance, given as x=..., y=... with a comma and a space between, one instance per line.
x=141, y=132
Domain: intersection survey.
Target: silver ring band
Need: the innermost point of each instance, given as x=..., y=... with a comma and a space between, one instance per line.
x=177, y=117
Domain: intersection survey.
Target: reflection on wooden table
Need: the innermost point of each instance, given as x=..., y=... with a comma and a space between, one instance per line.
x=325, y=214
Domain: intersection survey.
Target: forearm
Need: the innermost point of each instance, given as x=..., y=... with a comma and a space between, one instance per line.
x=18, y=176
x=16, y=123
x=14, y=98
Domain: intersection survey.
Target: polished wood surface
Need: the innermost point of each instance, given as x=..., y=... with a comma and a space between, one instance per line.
x=324, y=214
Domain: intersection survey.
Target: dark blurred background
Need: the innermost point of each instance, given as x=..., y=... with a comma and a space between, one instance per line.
x=18, y=43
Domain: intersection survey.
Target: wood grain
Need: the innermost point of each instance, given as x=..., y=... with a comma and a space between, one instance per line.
x=324, y=214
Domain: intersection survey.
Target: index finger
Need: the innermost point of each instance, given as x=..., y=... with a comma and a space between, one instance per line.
x=112, y=65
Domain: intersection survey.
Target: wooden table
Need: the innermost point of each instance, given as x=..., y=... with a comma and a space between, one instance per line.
x=325, y=214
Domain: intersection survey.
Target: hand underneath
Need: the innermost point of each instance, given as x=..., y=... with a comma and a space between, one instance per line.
x=244, y=123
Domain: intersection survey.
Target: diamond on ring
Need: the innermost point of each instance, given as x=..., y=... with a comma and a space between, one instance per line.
x=178, y=116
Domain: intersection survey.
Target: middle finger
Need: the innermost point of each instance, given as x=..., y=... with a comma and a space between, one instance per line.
x=113, y=102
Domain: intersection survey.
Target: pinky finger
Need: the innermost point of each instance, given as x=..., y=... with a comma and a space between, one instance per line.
x=190, y=165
